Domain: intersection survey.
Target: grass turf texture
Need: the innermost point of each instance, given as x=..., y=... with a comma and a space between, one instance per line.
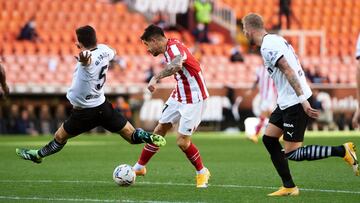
x=241, y=172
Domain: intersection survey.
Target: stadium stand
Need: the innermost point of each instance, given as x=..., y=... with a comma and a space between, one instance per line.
x=51, y=61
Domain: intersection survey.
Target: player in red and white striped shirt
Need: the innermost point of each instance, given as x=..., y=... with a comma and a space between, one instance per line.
x=186, y=103
x=268, y=94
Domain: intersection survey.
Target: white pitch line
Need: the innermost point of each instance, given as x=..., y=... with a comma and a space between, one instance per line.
x=81, y=200
x=178, y=184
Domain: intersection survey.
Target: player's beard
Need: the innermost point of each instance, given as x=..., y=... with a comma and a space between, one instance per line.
x=155, y=54
x=252, y=42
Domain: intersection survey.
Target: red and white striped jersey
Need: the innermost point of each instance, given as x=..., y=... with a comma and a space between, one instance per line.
x=267, y=90
x=190, y=84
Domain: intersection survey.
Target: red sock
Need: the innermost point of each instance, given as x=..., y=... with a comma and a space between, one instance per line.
x=259, y=125
x=193, y=154
x=148, y=151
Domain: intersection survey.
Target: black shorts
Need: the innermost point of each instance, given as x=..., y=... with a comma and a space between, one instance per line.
x=292, y=120
x=83, y=120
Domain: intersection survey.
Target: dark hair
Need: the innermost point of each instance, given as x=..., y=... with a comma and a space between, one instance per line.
x=86, y=35
x=152, y=31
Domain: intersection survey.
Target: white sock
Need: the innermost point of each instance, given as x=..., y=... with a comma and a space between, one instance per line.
x=138, y=166
x=202, y=171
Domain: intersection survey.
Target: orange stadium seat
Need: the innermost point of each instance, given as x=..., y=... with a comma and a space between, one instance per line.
x=56, y=21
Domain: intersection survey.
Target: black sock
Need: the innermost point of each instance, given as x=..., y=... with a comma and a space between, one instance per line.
x=315, y=152
x=279, y=160
x=140, y=136
x=51, y=148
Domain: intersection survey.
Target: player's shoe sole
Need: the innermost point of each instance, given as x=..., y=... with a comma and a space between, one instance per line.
x=283, y=191
x=350, y=157
x=141, y=172
x=158, y=140
x=29, y=154
x=202, y=180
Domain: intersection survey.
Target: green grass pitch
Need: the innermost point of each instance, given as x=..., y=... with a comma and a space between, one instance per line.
x=241, y=172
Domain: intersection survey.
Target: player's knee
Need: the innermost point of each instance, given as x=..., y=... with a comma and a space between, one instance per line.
x=183, y=143
x=61, y=136
x=162, y=129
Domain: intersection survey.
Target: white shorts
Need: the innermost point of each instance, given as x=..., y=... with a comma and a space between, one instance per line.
x=188, y=115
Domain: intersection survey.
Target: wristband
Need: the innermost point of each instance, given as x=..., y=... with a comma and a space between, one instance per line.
x=302, y=98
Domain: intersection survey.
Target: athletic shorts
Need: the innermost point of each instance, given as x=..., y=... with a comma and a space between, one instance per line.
x=292, y=120
x=83, y=120
x=188, y=115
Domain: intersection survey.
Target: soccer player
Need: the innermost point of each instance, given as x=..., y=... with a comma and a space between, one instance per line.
x=355, y=120
x=290, y=117
x=267, y=94
x=4, y=87
x=185, y=104
x=90, y=108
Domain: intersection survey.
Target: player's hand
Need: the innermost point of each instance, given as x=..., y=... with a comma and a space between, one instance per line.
x=85, y=58
x=313, y=113
x=355, y=120
x=151, y=85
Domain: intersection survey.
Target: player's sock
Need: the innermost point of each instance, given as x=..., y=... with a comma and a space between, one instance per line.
x=315, y=152
x=202, y=171
x=148, y=151
x=51, y=148
x=279, y=160
x=193, y=154
x=138, y=166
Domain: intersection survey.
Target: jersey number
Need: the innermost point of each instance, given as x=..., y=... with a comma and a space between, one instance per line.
x=101, y=76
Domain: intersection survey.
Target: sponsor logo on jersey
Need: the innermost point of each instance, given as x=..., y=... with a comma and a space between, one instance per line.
x=288, y=125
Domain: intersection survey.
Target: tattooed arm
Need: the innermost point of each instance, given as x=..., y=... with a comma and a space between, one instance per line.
x=290, y=75
x=174, y=66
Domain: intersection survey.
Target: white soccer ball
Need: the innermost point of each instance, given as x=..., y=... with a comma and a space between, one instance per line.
x=124, y=175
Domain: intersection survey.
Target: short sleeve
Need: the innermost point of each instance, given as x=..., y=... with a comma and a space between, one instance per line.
x=112, y=53
x=175, y=50
x=357, y=53
x=271, y=55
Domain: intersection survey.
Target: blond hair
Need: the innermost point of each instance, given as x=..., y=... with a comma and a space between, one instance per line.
x=253, y=20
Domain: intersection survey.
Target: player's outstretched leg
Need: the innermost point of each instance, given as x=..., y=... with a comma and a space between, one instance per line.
x=280, y=162
x=193, y=155
x=150, y=150
x=316, y=152
x=141, y=136
x=52, y=147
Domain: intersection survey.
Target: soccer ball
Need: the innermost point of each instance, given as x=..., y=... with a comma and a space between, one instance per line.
x=124, y=175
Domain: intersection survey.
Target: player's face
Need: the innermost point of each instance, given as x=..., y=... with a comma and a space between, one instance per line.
x=247, y=32
x=153, y=47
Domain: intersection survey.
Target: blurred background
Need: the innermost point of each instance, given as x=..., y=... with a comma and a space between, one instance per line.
x=37, y=49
